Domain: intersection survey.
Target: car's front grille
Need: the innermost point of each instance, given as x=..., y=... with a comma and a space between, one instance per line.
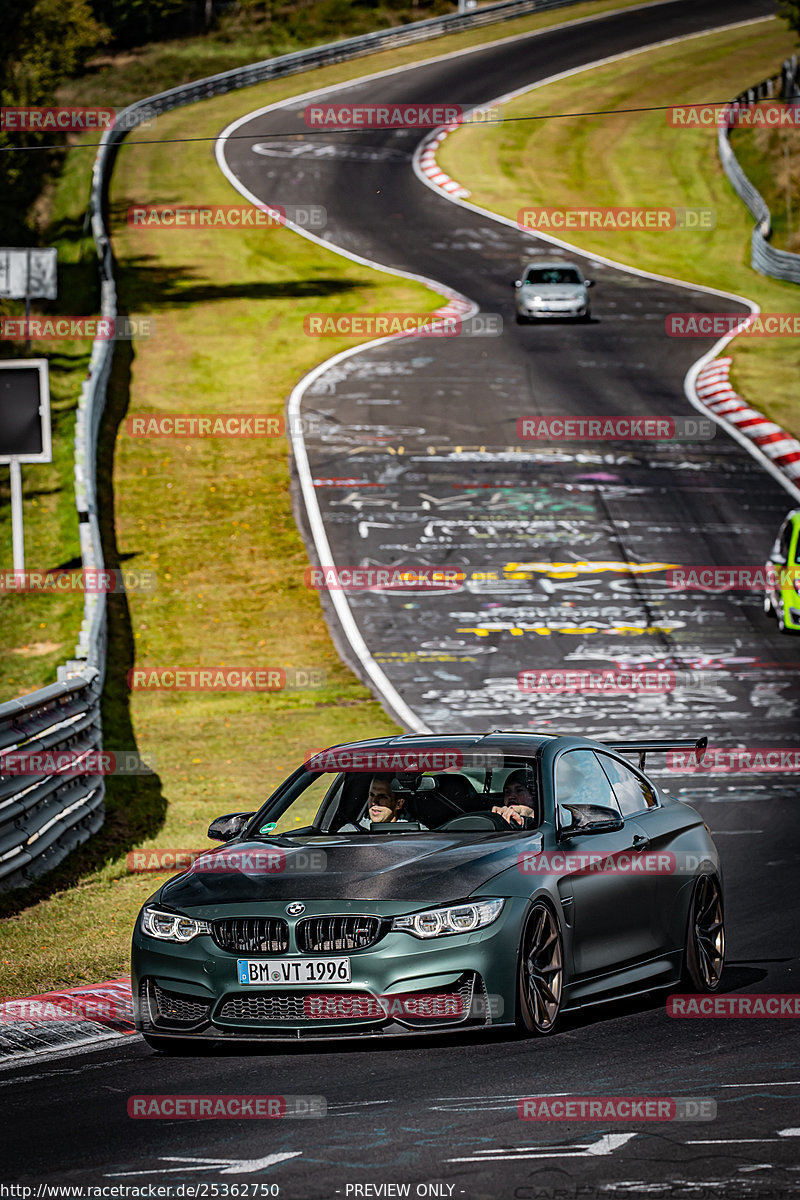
x=267, y=1007
x=338, y=933
x=171, y=1008
x=253, y=935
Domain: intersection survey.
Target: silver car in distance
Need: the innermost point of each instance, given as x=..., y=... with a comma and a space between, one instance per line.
x=552, y=289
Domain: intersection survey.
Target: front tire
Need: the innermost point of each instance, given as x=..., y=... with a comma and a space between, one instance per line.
x=540, y=980
x=704, y=957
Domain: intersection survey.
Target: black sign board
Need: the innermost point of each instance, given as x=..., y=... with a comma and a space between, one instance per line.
x=25, y=411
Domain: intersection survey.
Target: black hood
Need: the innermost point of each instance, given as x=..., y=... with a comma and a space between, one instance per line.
x=431, y=868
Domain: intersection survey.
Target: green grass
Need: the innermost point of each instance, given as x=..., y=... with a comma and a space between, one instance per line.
x=771, y=160
x=638, y=159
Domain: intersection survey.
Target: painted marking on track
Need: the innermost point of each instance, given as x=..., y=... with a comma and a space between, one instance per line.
x=745, y=1141
x=603, y=1146
x=225, y=1166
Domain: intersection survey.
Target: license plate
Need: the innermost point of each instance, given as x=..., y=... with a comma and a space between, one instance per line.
x=274, y=971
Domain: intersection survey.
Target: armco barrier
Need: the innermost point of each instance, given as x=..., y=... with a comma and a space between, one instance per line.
x=764, y=258
x=42, y=818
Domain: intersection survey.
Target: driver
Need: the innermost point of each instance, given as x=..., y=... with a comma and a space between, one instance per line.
x=518, y=802
x=384, y=804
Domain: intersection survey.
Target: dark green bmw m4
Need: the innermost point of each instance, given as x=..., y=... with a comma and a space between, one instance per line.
x=420, y=884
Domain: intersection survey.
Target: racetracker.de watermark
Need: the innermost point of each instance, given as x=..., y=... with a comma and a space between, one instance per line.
x=721, y=324
x=383, y=579
x=220, y=425
x=747, y=578
x=735, y=1004
x=597, y=862
x=618, y=220
x=764, y=115
x=88, y=580
x=225, y=1107
x=418, y=1006
x=224, y=679
x=745, y=760
x=548, y=681
x=617, y=1108
x=67, y=329
x=401, y=324
x=558, y=428
x=382, y=116
x=399, y=761
x=57, y=1008
x=264, y=860
x=75, y=762
x=607, y=681
x=226, y=216
x=389, y=324
x=61, y=119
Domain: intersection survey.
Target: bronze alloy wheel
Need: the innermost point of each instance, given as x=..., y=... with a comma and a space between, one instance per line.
x=705, y=941
x=541, y=971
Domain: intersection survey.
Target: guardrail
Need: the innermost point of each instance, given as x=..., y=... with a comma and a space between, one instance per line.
x=43, y=817
x=764, y=258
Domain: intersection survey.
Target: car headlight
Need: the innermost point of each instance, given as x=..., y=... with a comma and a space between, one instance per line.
x=458, y=918
x=171, y=927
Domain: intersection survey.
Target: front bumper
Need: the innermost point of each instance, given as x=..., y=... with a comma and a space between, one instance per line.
x=400, y=985
x=790, y=601
x=555, y=309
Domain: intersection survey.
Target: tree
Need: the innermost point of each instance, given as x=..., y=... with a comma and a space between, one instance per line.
x=790, y=11
x=133, y=22
x=42, y=45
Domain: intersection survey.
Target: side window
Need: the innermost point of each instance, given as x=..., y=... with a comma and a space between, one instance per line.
x=785, y=540
x=633, y=792
x=305, y=806
x=581, y=780
x=791, y=551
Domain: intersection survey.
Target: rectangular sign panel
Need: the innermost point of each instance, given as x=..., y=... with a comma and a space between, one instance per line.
x=25, y=411
x=28, y=273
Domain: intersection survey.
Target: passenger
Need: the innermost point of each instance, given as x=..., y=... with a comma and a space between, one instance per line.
x=518, y=800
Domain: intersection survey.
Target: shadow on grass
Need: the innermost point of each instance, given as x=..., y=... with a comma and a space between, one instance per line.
x=135, y=806
x=152, y=288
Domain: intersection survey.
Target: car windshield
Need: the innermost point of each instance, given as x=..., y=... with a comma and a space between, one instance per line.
x=550, y=275
x=351, y=802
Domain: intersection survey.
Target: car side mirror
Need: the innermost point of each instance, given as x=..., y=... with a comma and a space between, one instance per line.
x=224, y=829
x=588, y=282
x=591, y=818
x=517, y=283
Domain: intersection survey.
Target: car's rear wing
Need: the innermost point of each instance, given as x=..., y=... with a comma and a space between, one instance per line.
x=661, y=746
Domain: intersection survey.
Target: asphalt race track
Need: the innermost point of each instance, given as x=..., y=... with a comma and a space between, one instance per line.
x=440, y=1114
